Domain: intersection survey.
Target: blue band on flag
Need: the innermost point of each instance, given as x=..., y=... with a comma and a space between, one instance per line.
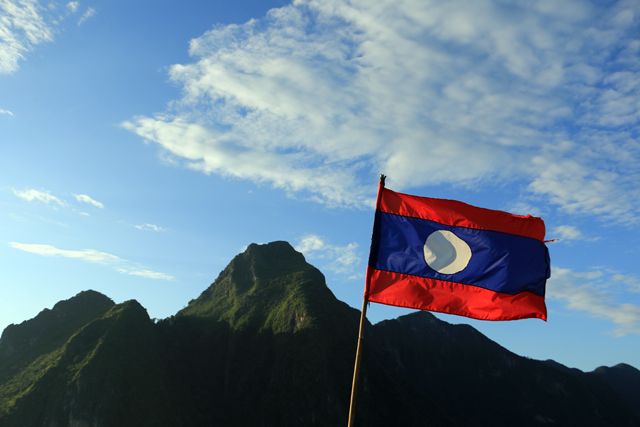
x=499, y=261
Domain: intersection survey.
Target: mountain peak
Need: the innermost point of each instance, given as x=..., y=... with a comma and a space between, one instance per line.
x=86, y=299
x=128, y=309
x=269, y=259
x=625, y=380
x=619, y=369
x=268, y=286
x=626, y=367
x=84, y=305
x=275, y=247
x=21, y=344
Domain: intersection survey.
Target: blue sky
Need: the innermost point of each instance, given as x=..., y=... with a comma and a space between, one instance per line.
x=145, y=143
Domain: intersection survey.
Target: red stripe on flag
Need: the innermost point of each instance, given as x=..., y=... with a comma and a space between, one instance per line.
x=424, y=293
x=459, y=214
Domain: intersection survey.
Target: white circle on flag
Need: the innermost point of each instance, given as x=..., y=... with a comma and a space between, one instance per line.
x=446, y=253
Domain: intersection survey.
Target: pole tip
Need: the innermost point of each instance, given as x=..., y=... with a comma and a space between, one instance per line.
x=383, y=177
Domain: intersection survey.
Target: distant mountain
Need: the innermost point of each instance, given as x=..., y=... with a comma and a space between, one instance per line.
x=48, y=331
x=268, y=344
x=481, y=383
x=625, y=381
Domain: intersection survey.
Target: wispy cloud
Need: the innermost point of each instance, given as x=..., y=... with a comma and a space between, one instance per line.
x=599, y=176
x=93, y=256
x=631, y=282
x=205, y=152
x=6, y=112
x=73, y=6
x=83, y=198
x=598, y=292
x=88, y=14
x=338, y=258
x=148, y=274
x=89, y=255
x=22, y=27
x=33, y=195
x=319, y=96
x=569, y=233
x=42, y=196
x=26, y=24
x=523, y=208
x=149, y=227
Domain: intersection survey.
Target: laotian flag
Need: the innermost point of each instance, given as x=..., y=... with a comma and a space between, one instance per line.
x=451, y=257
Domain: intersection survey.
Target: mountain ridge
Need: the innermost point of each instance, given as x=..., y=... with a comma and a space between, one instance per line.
x=269, y=335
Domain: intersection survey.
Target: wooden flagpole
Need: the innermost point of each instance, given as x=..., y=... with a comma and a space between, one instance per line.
x=363, y=316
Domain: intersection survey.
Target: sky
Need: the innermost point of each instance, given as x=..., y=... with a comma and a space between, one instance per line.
x=144, y=144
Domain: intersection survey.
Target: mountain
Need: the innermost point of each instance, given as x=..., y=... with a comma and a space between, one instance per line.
x=269, y=344
x=267, y=341
x=625, y=381
x=482, y=383
x=23, y=344
x=105, y=372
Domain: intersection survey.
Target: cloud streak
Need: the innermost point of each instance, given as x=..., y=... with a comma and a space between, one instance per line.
x=597, y=293
x=27, y=24
x=318, y=97
x=42, y=196
x=92, y=256
x=33, y=195
x=83, y=198
x=569, y=233
x=149, y=227
x=88, y=14
x=22, y=27
x=73, y=6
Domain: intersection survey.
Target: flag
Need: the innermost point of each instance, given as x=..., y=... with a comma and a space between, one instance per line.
x=451, y=257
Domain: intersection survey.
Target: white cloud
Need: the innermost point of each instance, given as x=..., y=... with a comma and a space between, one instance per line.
x=32, y=195
x=22, y=27
x=149, y=274
x=88, y=255
x=83, y=198
x=596, y=292
x=93, y=256
x=149, y=227
x=524, y=208
x=203, y=150
x=26, y=24
x=600, y=177
x=338, y=258
x=310, y=243
x=6, y=112
x=568, y=233
x=319, y=97
x=89, y=13
x=73, y=6
x=631, y=282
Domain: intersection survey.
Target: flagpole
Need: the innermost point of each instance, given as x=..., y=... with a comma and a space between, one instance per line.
x=363, y=317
